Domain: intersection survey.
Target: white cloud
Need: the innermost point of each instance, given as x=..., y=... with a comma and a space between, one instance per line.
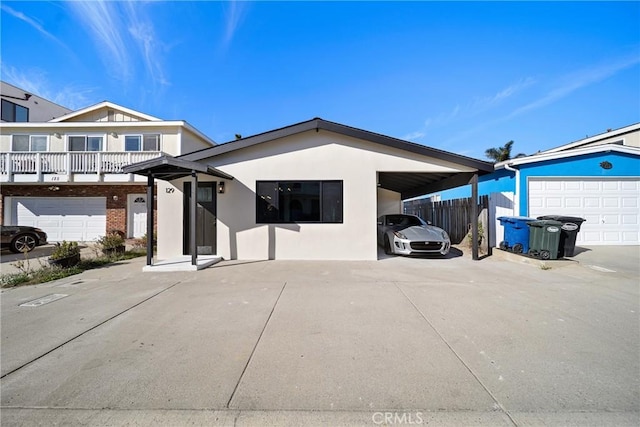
x=38, y=26
x=233, y=17
x=578, y=80
x=482, y=104
x=35, y=81
x=414, y=135
x=123, y=34
x=104, y=24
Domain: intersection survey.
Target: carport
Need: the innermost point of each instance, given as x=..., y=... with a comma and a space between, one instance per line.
x=416, y=184
x=169, y=168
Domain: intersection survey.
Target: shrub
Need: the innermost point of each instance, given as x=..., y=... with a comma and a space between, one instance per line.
x=65, y=250
x=111, y=240
x=142, y=242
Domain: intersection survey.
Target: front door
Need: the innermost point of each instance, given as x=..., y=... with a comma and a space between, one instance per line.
x=137, y=222
x=205, y=218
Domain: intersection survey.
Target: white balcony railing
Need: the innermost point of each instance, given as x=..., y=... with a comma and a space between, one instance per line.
x=71, y=162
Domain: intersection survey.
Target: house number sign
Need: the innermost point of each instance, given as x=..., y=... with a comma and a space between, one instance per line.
x=169, y=190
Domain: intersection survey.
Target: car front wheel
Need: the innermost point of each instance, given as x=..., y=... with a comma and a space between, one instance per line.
x=387, y=246
x=23, y=243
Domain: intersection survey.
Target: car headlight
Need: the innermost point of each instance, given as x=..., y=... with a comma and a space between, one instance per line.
x=399, y=235
x=445, y=236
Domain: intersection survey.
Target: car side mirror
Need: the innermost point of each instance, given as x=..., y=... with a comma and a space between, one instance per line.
x=429, y=223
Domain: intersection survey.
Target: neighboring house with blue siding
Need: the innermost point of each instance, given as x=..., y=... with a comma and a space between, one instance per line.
x=596, y=178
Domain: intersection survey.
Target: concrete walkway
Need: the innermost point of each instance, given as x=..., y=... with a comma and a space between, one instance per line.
x=400, y=340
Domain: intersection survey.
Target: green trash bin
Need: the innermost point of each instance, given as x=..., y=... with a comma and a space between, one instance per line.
x=544, y=238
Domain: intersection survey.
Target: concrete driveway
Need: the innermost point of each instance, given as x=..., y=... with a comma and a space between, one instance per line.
x=395, y=341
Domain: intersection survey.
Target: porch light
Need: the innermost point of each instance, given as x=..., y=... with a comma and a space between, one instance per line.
x=57, y=135
x=113, y=134
x=221, y=187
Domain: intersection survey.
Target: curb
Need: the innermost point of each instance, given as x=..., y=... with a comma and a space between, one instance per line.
x=524, y=259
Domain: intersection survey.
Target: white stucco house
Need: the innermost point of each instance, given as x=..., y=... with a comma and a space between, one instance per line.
x=309, y=191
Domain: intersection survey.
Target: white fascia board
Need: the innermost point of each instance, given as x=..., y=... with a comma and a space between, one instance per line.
x=199, y=134
x=102, y=105
x=596, y=138
x=72, y=126
x=85, y=125
x=570, y=153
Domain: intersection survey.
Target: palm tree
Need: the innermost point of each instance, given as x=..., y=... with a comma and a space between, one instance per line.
x=501, y=154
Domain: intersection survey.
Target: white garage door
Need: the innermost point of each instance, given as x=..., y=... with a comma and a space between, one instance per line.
x=81, y=219
x=610, y=206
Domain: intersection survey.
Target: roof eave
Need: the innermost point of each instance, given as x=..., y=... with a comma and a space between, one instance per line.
x=320, y=124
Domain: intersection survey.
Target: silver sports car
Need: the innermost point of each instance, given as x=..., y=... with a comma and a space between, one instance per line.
x=409, y=234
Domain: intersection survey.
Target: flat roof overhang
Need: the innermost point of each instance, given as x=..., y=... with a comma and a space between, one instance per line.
x=168, y=168
x=414, y=184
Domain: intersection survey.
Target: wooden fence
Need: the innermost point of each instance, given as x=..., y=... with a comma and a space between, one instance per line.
x=454, y=216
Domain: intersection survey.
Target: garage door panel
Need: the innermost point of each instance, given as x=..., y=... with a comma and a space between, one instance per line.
x=65, y=218
x=610, y=206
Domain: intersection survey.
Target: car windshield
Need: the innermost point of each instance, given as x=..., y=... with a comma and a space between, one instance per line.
x=404, y=220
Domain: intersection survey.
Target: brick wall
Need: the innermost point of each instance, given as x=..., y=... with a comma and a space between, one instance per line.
x=116, y=209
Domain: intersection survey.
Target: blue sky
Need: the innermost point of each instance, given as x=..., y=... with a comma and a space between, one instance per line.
x=457, y=76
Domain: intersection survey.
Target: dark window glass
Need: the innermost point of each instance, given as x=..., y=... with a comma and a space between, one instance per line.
x=8, y=112
x=267, y=202
x=94, y=143
x=298, y=201
x=20, y=143
x=13, y=112
x=22, y=114
x=77, y=143
x=131, y=143
x=151, y=143
x=38, y=143
x=332, y=201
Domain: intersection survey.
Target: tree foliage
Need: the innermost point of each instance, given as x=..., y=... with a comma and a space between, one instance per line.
x=500, y=154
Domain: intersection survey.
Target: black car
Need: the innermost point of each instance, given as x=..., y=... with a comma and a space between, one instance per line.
x=22, y=238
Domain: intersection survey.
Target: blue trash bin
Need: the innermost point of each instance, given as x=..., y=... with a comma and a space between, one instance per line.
x=516, y=233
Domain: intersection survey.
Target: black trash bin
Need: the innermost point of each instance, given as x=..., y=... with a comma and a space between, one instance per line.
x=544, y=238
x=570, y=228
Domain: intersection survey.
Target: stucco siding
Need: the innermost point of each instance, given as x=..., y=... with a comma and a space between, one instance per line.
x=114, y=139
x=190, y=142
x=499, y=181
x=308, y=156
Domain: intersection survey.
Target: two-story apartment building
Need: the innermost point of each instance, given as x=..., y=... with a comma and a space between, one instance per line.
x=65, y=175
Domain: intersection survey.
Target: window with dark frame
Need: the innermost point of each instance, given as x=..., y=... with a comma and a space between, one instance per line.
x=142, y=142
x=12, y=112
x=282, y=202
x=85, y=143
x=29, y=143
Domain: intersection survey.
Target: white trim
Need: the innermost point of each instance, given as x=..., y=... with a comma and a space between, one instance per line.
x=50, y=127
x=104, y=104
x=571, y=153
x=606, y=135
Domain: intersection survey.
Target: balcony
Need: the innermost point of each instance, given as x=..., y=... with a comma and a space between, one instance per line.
x=73, y=166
